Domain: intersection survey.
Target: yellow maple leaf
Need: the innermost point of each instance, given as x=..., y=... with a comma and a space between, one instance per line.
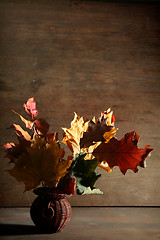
x=41, y=162
x=75, y=133
x=108, y=115
x=53, y=167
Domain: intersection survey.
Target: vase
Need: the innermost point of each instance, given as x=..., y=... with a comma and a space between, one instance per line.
x=50, y=211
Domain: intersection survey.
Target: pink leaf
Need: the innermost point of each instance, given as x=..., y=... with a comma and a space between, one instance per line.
x=30, y=108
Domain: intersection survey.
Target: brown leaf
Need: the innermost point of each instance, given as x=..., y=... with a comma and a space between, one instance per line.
x=96, y=130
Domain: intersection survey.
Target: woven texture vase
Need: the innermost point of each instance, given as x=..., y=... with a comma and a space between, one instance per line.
x=50, y=211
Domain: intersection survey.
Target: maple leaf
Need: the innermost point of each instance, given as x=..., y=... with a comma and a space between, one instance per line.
x=41, y=126
x=21, y=132
x=14, y=150
x=88, y=190
x=66, y=185
x=108, y=135
x=104, y=165
x=84, y=172
x=108, y=116
x=41, y=162
x=89, y=150
x=123, y=153
x=96, y=130
x=30, y=108
x=54, y=136
x=29, y=123
x=73, y=135
x=53, y=166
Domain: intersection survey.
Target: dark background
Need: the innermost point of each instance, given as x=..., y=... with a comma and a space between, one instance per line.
x=84, y=56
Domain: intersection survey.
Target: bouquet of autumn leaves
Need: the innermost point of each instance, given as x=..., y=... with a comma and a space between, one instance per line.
x=38, y=158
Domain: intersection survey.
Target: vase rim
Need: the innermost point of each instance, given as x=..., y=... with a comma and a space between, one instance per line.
x=46, y=191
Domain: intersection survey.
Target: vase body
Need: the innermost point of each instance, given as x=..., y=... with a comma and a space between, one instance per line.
x=50, y=211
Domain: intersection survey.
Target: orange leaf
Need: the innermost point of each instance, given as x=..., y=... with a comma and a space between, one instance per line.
x=29, y=124
x=21, y=132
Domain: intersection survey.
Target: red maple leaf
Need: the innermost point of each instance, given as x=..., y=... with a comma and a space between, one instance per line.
x=41, y=126
x=66, y=185
x=123, y=153
x=52, y=135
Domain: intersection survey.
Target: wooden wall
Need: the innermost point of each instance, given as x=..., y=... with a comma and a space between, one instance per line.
x=85, y=57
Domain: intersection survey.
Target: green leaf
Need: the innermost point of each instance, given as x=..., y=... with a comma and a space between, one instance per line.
x=88, y=190
x=83, y=170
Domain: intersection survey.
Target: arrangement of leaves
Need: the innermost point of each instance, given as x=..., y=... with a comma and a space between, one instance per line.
x=40, y=159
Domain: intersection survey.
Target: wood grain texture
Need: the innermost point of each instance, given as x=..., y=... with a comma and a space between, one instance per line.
x=103, y=223
x=84, y=57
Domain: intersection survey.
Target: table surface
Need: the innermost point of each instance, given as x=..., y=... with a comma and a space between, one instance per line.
x=99, y=223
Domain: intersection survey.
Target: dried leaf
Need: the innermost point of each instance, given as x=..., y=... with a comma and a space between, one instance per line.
x=54, y=136
x=66, y=185
x=97, y=131
x=53, y=166
x=123, y=153
x=29, y=123
x=104, y=165
x=41, y=162
x=21, y=132
x=41, y=126
x=30, y=108
x=14, y=150
x=90, y=150
x=108, y=135
x=73, y=135
x=108, y=115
